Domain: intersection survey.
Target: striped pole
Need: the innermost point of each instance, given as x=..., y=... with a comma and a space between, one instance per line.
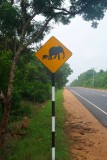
x=53, y=116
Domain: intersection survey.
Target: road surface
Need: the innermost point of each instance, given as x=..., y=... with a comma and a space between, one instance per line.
x=94, y=100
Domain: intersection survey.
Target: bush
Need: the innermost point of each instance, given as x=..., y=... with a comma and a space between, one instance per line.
x=18, y=109
x=36, y=91
x=22, y=110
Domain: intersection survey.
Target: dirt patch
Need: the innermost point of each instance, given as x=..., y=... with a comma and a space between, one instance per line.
x=88, y=135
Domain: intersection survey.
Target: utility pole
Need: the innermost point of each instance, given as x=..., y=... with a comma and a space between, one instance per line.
x=93, y=76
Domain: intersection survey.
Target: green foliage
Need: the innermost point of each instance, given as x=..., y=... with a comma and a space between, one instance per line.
x=90, y=10
x=15, y=106
x=91, y=78
x=19, y=109
x=36, y=91
x=32, y=81
x=9, y=18
x=62, y=74
x=101, y=79
x=9, y=22
x=5, y=64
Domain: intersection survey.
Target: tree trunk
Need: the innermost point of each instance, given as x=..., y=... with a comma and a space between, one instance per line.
x=7, y=101
x=4, y=123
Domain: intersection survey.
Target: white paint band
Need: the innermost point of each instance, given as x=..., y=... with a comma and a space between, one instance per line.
x=53, y=124
x=53, y=93
x=53, y=153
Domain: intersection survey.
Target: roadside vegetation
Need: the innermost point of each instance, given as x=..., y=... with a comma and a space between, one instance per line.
x=34, y=141
x=91, y=79
x=32, y=85
x=32, y=82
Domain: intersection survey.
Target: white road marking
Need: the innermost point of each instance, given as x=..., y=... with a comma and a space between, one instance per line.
x=90, y=103
x=103, y=95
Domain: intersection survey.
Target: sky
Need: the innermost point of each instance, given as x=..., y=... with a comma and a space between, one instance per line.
x=88, y=45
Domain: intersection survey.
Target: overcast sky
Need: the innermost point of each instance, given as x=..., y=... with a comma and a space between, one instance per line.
x=88, y=45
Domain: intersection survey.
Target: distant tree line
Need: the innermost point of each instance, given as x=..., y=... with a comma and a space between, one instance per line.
x=92, y=79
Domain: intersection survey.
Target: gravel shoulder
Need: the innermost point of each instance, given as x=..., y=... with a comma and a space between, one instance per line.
x=88, y=135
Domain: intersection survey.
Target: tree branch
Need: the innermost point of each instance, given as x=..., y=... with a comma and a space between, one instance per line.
x=73, y=13
x=25, y=27
x=25, y=24
x=23, y=9
x=39, y=33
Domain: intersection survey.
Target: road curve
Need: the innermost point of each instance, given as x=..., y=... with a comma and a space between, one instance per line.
x=94, y=100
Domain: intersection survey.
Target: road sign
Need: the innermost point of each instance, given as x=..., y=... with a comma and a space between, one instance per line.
x=53, y=54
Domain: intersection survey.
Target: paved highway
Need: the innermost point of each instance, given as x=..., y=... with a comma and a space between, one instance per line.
x=94, y=100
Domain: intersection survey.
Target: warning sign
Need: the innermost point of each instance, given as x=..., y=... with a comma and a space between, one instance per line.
x=53, y=54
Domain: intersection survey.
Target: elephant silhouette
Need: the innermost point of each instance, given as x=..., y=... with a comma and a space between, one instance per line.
x=55, y=52
x=45, y=56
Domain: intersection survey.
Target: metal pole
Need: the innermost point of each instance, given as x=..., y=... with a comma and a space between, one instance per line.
x=53, y=116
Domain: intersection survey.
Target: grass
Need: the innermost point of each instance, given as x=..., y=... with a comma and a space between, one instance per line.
x=37, y=143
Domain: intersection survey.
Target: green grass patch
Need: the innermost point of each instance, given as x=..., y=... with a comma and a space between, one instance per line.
x=37, y=143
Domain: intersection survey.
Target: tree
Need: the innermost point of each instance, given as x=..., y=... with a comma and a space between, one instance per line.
x=91, y=78
x=20, y=27
x=62, y=74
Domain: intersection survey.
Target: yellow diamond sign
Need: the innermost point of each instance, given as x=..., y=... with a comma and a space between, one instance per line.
x=53, y=54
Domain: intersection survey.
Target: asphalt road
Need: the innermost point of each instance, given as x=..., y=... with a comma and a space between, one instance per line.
x=94, y=100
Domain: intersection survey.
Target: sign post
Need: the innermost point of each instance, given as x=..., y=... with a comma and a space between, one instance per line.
x=53, y=116
x=53, y=54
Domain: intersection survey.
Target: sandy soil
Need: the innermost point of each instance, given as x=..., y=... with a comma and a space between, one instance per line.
x=88, y=135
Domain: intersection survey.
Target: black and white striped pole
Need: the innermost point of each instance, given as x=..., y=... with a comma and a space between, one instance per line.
x=53, y=116
x=53, y=61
